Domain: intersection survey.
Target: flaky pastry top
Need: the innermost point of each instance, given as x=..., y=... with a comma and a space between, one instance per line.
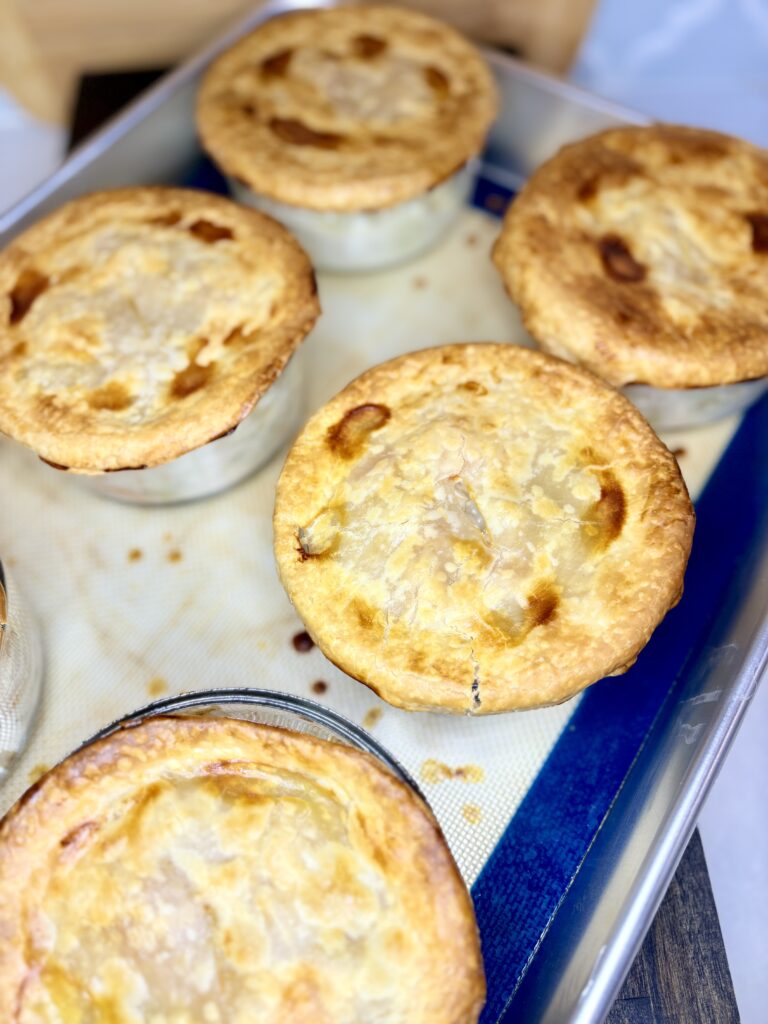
x=213, y=871
x=478, y=528
x=642, y=253
x=138, y=324
x=348, y=108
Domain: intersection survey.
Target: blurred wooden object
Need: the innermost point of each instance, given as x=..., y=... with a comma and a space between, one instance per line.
x=46, y=44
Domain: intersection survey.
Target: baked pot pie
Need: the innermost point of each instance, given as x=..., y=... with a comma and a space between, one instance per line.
x=480, y=528
x=356, y=127
x=642, y=253
x=138, y=325
x=217, y=870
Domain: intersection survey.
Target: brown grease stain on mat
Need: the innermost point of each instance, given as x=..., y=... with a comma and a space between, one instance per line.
x=435, y=771
x=472, y=813
x=371, y=717
x=302, y=642
x=38, y=772
x=156, y=686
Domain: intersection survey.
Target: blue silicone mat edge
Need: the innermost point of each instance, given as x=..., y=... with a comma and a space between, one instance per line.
x=532, y=866
x=534, y=862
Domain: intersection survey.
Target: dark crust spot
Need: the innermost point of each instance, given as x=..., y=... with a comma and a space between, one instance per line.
x=225, y=433
x=302, y=642
x=588, y=189
x=759, y=224
x=437, y=80
x=29, y=286
x=76, y=836
x=54, y=465
x=348, y=437
x=208, y=232
x=250, y=110
x=473, y=386
x=276, y=65
x=297, y=133
x=191, y=379
x=113, y=397
x=363, y=613
x=605, y=519
x=368, y=46
x=685, y=146
x=618, y=261
x=166, y=220
x=16, y=351
x=542, y=605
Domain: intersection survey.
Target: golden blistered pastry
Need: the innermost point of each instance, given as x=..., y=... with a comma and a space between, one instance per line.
x=213, y=870
x=139, y=324
x=642, y=253
x=348, y=108
x=356, y=111
x=478, y=528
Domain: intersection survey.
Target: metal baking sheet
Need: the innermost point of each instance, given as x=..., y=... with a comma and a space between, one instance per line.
x=566, y=822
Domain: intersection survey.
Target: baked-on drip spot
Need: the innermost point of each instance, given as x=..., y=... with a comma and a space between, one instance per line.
x=346, y=108
x=641, y=253
x=479, y=528
x=215, y=870
x=135, y=312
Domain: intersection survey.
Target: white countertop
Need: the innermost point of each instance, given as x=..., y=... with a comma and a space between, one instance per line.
x=696, y=61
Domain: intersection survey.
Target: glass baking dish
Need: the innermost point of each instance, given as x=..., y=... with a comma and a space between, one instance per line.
x=370, y=239
x=267, y=707
x=221, y=463
x=21, y=671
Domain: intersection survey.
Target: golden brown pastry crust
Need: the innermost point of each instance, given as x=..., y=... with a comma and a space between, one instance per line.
x=350, y=108
x=479, y=528
x=213, y=870
x=138, y=324
x=642, y=253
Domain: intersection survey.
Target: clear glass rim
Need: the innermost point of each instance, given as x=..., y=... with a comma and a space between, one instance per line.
x=317, y=713
x=3, y=606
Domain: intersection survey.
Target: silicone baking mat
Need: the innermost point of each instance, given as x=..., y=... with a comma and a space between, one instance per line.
x=137, y=603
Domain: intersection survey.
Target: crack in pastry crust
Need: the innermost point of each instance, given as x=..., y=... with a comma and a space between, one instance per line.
x=219, y=871
x=642, y=253
x=510, y=532
x=138, y=324
x=347, y=108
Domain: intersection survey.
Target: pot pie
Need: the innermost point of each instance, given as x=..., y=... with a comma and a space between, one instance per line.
x=642, y=253
x=479, y=528
x=354, y=126
x=215, y=870
x=139, y=324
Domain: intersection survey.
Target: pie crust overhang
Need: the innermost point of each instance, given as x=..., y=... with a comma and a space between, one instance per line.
x=139, y=324
x=642, y=253
x=216, y=870
x=349, y=108
x=478, y=528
